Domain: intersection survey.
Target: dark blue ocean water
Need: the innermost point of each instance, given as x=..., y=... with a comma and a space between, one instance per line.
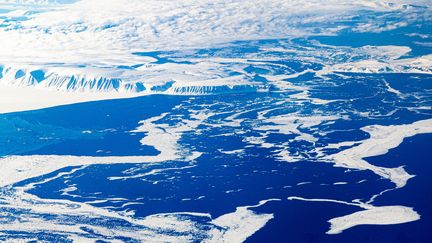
x=217, y=183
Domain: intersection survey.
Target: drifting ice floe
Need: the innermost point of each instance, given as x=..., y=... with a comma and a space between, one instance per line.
x=382, y=139
x=80, y=221
x=370, y=215
x=385, y=215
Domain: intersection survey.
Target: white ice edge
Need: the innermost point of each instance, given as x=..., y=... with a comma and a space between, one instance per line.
x=242, y=223
x=382, y=139
x=16, y=99
x=236, y=226
x=21, y=89
x=369, y=215
x=18, y=168
x=384, y=215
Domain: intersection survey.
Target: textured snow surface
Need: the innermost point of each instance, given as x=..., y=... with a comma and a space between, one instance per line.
x=106, y=46
x=113, y=28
